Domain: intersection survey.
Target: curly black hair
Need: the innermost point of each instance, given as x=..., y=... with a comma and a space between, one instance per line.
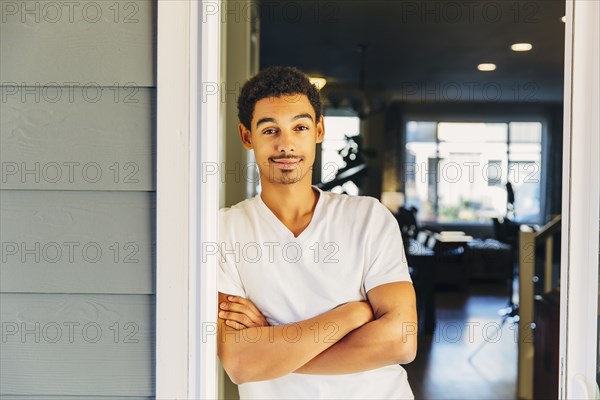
x=276, y=81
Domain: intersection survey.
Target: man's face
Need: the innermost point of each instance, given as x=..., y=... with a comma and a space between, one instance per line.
x=284, y=135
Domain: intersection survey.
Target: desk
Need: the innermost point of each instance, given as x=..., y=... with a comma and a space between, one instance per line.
x=421, y=260
x=431, y=267
x=450, y=268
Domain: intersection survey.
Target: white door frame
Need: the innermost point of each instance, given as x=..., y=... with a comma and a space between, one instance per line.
x=581, y=176
x=188, y=132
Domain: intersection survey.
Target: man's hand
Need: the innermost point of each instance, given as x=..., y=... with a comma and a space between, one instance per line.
x=241, y=313
x=390, y=339
x=269, y=353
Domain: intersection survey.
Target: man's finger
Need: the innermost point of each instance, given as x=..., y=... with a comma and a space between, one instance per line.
x=248, y=303
x=240, y=308
x=240, y=300
x=234, y=324
x=237, y=317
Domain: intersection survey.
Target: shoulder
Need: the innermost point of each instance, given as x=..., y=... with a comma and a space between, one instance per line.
x=237, y=214
x=359, y=207
x=355, y=203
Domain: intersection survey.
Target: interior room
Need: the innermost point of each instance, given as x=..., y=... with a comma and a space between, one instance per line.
x=451, y=114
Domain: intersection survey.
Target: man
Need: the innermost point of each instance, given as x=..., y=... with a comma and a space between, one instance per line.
x=315, y=299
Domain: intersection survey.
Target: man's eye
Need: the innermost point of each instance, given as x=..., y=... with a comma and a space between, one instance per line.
x=302, y=127
x=270, y=131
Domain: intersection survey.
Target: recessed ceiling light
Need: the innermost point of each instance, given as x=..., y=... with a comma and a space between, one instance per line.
x=521, y=47
x=318, y=82
x=564, y=19
x=486, y=67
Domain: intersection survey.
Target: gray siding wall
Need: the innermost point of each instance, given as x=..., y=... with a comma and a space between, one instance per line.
x=77, y=199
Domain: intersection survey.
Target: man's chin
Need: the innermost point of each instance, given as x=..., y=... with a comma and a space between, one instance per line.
x=283, y=178
x=286, y=180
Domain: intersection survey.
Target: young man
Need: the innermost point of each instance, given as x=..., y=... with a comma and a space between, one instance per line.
x=315, y=299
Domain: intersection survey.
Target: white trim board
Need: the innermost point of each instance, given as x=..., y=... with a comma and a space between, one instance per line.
x=188, y=132
x=581, y=192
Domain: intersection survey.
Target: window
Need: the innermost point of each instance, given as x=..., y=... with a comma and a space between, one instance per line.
x=336, y=128
x=457, y=172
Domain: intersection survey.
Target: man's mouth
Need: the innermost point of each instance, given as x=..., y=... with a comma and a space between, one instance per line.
x=286, y=162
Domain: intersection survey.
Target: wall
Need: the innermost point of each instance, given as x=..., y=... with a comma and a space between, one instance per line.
x=240, y=62
x=77, y=135
x=373, y=131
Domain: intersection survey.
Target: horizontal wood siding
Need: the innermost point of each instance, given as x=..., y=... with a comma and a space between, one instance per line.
x=78, y=142
x=77, y=199
x=105, y=43
x=77, y=242
x=76, y=344
x=63, y=397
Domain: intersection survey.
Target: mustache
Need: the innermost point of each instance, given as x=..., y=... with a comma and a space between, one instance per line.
x=279, y=157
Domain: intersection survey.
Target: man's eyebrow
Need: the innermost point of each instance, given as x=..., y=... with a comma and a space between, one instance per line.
x=304, y=115
x=269, y=119
x=265, y=120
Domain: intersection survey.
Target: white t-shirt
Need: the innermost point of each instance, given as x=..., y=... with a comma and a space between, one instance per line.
x=351, y=245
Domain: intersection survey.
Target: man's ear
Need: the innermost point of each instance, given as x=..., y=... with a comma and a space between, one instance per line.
x=245, y=136
x=320, y=130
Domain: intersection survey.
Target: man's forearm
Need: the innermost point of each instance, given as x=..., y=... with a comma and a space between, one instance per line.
x=262, y=353
x=374, y=345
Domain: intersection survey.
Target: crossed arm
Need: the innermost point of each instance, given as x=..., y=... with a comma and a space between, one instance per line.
x=353, y=337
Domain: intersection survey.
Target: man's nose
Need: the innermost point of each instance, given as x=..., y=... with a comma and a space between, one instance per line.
x=286, y=141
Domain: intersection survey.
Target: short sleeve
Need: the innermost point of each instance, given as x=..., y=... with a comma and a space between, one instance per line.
x=228, y=276
x=387, y=261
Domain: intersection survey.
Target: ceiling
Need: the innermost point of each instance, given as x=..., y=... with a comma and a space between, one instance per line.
x=420, y=50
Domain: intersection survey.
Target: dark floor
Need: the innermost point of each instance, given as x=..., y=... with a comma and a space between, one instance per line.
x=470, y=356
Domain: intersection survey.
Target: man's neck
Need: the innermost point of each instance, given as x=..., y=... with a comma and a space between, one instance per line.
x=291, y=203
